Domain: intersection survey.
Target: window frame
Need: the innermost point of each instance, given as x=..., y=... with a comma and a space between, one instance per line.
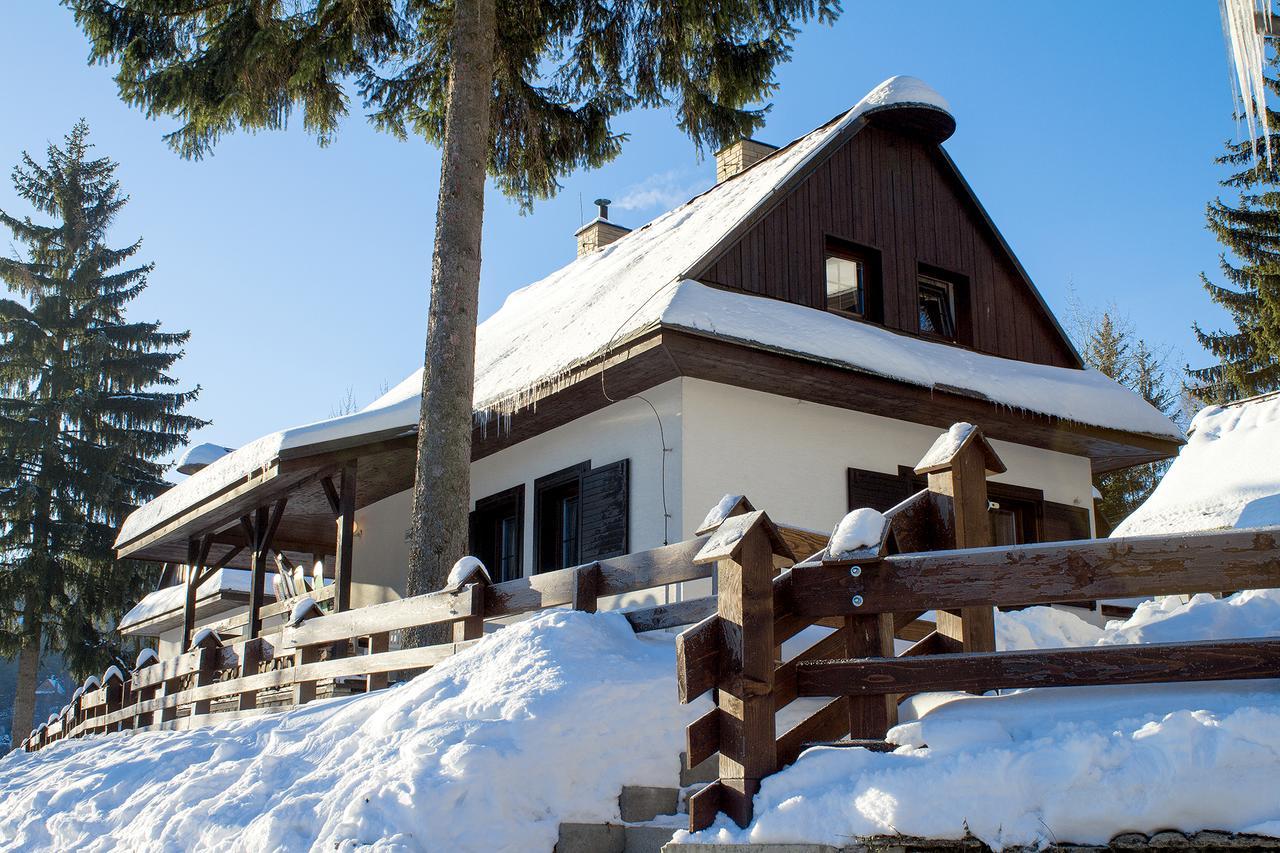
x=958, y=290
x=541, y=488
x=869, y=259
x=484, y=508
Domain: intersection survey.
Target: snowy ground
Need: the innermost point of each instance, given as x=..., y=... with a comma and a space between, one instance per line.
x=546, y=720
x=542, y=722
x=1061, y=764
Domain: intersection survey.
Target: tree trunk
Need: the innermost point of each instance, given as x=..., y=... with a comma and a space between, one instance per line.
x=24, y=699
x=442, y=487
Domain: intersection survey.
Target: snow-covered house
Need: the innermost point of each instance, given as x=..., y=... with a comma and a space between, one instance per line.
x=797, y=333
x=1227, y=475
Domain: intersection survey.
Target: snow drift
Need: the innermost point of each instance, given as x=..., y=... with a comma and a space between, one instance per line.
x=543, y=722
x=1054, y=764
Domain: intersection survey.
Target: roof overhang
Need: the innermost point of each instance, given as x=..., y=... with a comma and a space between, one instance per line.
x=386, y=460
x=208, y=605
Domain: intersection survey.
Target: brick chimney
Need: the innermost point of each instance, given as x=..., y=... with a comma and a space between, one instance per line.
x=599, y=232
x=736, y=156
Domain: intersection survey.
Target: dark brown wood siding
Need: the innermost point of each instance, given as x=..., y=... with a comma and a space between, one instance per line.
x=897, y=195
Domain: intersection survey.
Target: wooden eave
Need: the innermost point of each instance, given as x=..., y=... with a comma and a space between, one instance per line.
x=881, y=117
x=207, y=606
x=386, y=460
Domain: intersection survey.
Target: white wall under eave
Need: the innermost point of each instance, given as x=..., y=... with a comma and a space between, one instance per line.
x=790, y=457
x=623, y=430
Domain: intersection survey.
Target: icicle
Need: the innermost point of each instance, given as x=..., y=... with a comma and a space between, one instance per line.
x=1243, y=22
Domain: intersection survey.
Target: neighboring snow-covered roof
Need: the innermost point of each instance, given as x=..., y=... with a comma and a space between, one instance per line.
x=174, y=598
x=198, y=456
x=1227, y=475
x=547, y=329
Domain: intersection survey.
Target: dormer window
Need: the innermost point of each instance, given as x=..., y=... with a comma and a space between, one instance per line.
x=846, y=282
x=937, y=307
x=853, y=280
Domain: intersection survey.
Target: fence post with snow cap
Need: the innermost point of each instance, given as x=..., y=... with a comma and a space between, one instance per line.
x=733, y=652
x=208, y=648
x=957, y=466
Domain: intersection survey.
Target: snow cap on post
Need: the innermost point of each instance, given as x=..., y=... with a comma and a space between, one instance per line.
x=113, y=673
x=465, y=571
x=305, y=609
x=146, y=658
x=860, y=535
x=204, y=638
x=949, y=445
x=728, y=507
x=726, y=542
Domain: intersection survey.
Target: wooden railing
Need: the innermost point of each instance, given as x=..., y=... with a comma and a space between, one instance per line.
x=877, y=593
x=219, y=680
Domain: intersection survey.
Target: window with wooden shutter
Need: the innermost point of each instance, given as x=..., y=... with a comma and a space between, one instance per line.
x=603, y=525
x=876, y=490
x=497, y=533
x=1064, y=521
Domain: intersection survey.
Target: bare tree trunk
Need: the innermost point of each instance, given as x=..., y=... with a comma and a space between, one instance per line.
x=24, y=700
x=442, y=488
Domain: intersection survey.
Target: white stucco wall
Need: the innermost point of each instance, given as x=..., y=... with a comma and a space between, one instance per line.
x=624, y=430
x=791, y=457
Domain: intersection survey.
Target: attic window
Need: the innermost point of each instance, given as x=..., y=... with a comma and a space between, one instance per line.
x=852, y=280
x=846, y=283
x=937, y=308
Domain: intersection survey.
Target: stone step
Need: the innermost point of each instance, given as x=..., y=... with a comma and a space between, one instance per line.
x=706, y=772
x=614, y=837
x=640, y=803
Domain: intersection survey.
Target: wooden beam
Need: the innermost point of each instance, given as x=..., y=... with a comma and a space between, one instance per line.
x=411, y=612
x=1046, y=573
x=1094, y=665
x=698, y=651
x=870, y=636
x=331, y=495
x=345, y=547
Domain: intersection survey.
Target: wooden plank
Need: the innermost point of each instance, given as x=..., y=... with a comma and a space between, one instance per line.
x=662, y=566
x=1125, y=567
x=702, y=738
x=586, y=584
x=346, y=536
x=661, y=616
x=276, y=608
x=415, y=658
x=745, y=687
x=412, y=612
x=698, y=651
x=830, y=722
x=704, y=805
x=176, y=667
x=1137, y=664
x=870, y=636
x=830, y=647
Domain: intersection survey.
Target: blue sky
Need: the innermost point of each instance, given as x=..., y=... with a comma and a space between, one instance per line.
x=1088, y=130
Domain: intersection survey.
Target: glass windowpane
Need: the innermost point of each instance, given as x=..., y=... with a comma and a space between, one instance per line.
x=845, y=284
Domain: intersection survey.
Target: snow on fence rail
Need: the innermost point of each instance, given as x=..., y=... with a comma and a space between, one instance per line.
x=929, y=556
x=214, y=682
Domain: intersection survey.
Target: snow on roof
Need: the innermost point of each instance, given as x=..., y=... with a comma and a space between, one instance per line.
x=1082, y=396
x=1227, y=475
x=547, y=329
x=199, y=455
x=174, y=598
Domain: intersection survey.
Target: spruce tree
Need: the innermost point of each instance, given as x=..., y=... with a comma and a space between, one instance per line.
x=1248, y=227
x=1111, y=348
x=523, y=89
x=86, y=413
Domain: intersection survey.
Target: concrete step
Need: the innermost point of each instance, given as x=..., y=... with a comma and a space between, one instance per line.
x=706, y=772
x=614, y=837
x=639, y=803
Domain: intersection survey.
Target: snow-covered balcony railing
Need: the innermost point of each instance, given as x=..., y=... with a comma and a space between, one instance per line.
x=220, y=679
x=875, y=580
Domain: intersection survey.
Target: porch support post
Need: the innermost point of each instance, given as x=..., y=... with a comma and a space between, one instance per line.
x=346, y=537
x=264, y=528
x=197, y=556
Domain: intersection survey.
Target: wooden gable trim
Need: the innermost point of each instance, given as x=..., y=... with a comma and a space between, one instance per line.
x=1008, y=253
x=707, y=260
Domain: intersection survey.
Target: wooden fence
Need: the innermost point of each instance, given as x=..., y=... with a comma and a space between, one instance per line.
x=879, y=591
x=215, y=682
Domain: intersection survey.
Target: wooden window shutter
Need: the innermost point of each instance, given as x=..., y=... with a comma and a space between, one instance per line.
x=876, y=490
x=604, y=512
x=1064, y=521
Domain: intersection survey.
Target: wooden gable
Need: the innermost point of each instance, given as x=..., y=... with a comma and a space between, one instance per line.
x=900, y=196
